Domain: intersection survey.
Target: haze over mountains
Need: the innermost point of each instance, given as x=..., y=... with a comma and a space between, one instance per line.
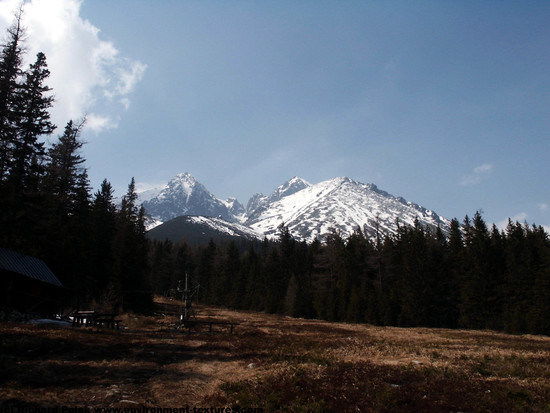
x=310, y=211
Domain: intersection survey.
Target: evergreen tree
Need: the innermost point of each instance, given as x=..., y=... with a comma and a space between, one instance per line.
x=455, y=268
x=65, y=187
x=162, y=266
x=24, y=118
x=10, y=70
x=103, y=228
x=253, y=276
x=476, y=273
x=537, y=320
x=130, y=255
x=32, y=107
x=227, y=285
x=205, y=270
x=65, y=172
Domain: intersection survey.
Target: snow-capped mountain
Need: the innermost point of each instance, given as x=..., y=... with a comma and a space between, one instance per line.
x=343, y=205
x=184, y=195
x=309, y=211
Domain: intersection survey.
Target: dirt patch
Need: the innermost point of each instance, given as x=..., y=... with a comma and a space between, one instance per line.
x=272, y=362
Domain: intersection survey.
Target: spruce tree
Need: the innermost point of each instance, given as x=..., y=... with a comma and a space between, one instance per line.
x=66, y=187
x=130, y=255
x=32, y=106
x=103, y=228
x=10, y=70
x=65, y=171
x=24, y=118
x=474, y=310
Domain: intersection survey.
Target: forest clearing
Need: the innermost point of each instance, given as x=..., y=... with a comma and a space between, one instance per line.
x=270, y=363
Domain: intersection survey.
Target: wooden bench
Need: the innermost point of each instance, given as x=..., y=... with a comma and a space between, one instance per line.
x=83, y=318
x=189, y=324
x=93, y=319
x=107, y=320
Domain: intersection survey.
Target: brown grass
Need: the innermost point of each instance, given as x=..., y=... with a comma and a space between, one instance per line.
x=274, y=363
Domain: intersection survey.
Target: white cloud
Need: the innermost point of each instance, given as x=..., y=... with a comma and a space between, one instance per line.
x=543, y=207
x=482, y=169
x=476, y=175
x=86, y=72
x=98, y=123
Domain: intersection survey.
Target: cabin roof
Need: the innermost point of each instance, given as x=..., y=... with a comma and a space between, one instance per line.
x=31, y=267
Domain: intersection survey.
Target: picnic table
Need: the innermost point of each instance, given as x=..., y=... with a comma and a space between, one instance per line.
x=194, y=323
x=94, y=319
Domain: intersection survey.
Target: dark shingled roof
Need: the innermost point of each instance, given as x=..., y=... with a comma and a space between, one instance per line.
x=31, y=267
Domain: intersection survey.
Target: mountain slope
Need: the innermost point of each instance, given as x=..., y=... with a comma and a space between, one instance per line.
x=344, y=205
x=200, y=229
x=259, y=202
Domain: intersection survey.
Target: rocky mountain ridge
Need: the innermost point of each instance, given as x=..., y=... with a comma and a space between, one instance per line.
x=310, y=211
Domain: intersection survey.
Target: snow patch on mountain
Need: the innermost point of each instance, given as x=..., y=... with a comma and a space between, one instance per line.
x=230, y=228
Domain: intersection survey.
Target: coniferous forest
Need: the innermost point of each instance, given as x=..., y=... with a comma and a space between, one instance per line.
x=476, y=277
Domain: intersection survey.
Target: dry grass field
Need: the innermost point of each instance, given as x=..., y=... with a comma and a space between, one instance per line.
x=270, y=363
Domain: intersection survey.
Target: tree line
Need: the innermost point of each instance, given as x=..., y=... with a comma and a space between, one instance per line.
x=475, y=277
x=96, y=247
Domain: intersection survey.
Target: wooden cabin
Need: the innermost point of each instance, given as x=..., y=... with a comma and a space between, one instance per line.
x=28, y=286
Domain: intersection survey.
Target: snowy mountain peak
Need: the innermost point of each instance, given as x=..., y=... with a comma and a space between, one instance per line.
x=288, y=188
x=310, y=211
x=184, y=195
x=184, y=183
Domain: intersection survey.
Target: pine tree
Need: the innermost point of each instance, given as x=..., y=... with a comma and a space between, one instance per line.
x=474, y=287
x=253, y=275
x=162, y=266
x=130, y=255
x=10, y=70
x=24, y=118
x=66, y=190
x=537, y=319
x=455, y=267
x=32, y=106
x=103, y=216
x=65, y=172
x=205, y=270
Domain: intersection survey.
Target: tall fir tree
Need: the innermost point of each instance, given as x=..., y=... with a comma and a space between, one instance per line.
x=103, y=216
x=130, y=252
x=66, y=187
x=24, y=120
x=34, y=122
x=11, y=58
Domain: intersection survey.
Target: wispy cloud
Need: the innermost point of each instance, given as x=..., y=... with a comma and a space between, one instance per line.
x=476, y=175
x=88, y=74
x=98, y=123
x=520, y=217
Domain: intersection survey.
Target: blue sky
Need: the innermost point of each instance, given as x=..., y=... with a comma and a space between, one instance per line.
x=446, y=103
